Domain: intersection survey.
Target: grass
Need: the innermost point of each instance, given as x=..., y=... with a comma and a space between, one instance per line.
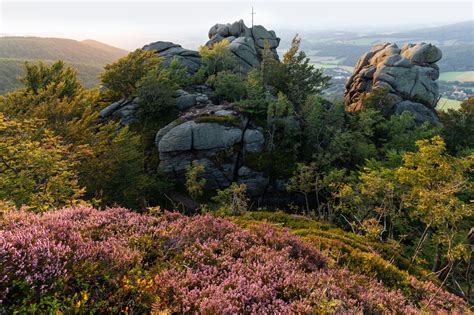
x=445, y=103
x=462, y=76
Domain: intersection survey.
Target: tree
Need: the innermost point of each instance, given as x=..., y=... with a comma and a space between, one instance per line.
x=155, y=91
x=122, y=76
x=372, y=198
x=228, y=86
x=37, y=169
x=280, y=119
x=40, y=77
x=433, y=179
x=301, y=78
x=325, y=130
x=303, y=181
x=458, y=128
x=104, y=151
x=256, y=103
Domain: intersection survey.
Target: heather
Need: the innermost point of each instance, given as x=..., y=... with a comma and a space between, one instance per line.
x=109, y=261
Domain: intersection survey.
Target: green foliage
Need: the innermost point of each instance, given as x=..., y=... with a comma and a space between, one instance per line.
x=325, y=132
x=304, y=180
x=104, y=153
x=195, y=184
x=399, y=133
x=39, y=77
x=227, y=85
x=155, y=91
x=122, y=76
x=459, y=128
x=217, y=58
x=113, y=169
x=424, y=199
x=178, y=73
x=37, y=169
x=87, y=57
x=232, y=200
x=256, y=103
x=432, y=180
x=282, y=125
x=301, y=79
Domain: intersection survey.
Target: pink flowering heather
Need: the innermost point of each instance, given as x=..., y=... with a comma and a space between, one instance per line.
x=228, y=270
x=200, y=264
x=41, y=249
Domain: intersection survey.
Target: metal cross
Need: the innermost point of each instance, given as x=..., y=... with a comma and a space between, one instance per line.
x=253, y=13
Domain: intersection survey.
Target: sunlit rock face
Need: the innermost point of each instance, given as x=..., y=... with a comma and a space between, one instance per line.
x=408, y=74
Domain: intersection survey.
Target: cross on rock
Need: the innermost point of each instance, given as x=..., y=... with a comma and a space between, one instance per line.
x=253, y=13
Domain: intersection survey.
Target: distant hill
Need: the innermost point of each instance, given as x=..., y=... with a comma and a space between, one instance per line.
x=88, y=57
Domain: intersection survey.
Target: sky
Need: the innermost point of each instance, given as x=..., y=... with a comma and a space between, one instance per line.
x=131, y=24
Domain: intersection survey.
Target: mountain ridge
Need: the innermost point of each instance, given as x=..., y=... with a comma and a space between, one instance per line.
x=87, y=56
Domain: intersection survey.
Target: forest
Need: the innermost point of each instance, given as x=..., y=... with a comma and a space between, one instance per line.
x=375, y=214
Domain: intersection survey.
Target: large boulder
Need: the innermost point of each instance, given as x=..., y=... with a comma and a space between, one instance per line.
x=408, y=75
x=217, y=137
x=246, y=44
x=169, y=51
x=123, y=110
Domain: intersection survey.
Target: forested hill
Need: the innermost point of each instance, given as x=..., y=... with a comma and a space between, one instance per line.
x=87, y=56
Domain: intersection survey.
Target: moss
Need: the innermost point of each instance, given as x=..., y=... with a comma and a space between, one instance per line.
x=224, y=120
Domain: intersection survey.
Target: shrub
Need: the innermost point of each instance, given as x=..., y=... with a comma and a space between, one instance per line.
x=228, y=86
x=232, y=200
x=122, y=76
x=217, y=58
x=37, y=168
x=82, y=260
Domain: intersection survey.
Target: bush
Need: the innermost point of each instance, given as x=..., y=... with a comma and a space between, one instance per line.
x=122, y=76
x=216, y=59
x=228, y=86
x=37, y=169
x=82, y=260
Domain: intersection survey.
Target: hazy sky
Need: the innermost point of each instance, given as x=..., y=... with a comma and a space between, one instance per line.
x=130, y=24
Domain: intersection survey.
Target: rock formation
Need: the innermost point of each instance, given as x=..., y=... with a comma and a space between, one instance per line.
x=217, y=137
x=408, y=74
x=189, y=58
x=224, y=141
x=246, y=44
x=124, y=111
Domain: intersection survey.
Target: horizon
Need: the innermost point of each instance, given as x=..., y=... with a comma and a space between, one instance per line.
x=130, y=26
